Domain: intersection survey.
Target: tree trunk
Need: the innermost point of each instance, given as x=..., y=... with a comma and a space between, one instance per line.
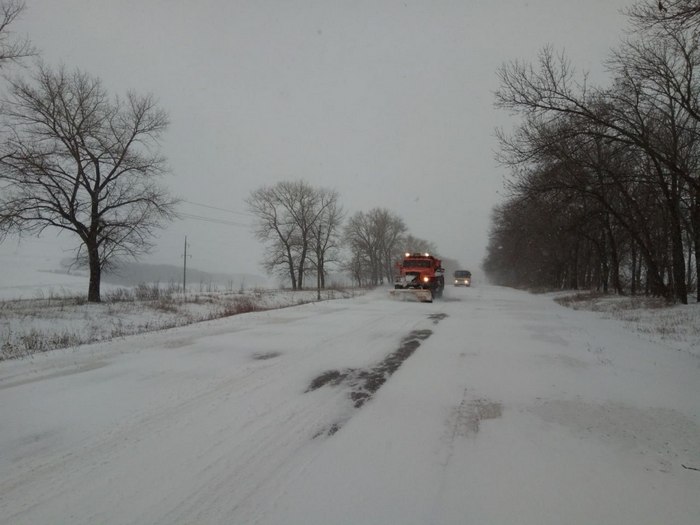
x=318, y=285
x=319, y=273
x=678, y=262
x=695, y=227
x=654, y=274
x=574, y=277
x=634, y=281
x=697, y=267
x=677, y=270
x=604, y=264
x=689, y=263
x=322, y=271
x=614, y=258
x=95, y=274
x=292, y=274
x=300, y=269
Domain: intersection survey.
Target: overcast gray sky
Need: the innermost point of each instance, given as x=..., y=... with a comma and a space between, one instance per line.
x=388, y=102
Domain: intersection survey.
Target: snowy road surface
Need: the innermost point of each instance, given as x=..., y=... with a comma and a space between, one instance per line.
x=510, y=409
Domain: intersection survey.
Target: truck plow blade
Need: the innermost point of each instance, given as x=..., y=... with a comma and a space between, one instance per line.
x=412, y=294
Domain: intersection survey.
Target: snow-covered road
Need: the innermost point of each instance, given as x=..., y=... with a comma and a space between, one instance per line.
x=511, y=409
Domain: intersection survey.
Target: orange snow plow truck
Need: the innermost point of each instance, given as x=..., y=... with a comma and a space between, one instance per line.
x=419, y=276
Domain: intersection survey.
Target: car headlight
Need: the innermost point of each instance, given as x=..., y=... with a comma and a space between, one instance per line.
x=426, y=279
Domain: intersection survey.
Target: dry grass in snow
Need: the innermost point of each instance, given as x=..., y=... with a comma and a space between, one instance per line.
x=675, y=325
x=28, y=326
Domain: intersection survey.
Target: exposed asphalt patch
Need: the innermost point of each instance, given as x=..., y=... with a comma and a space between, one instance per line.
x=332, y=376
x=467, y=417
x=364, y=382
x=266, y=355
x=436, y=318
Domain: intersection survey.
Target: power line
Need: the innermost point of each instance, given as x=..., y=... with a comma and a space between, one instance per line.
x=217, y=208
x=212, y=220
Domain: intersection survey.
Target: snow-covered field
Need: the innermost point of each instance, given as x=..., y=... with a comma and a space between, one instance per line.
x=28, y=326
x=42, y=308
x=492, y=406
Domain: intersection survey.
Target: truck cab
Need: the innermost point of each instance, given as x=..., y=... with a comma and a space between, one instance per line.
x=420, y=271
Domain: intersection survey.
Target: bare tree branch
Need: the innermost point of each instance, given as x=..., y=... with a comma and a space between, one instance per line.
x=12, y=49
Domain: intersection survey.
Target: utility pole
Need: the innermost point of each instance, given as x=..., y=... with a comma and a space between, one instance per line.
x=184, y=269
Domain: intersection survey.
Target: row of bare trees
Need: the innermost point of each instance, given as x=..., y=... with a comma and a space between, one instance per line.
x=377, y=239
x=299, y=225
x=605, y=188
x=305, y=233
x=75, y=159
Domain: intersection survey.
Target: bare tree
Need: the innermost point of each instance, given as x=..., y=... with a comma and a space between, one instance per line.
x=299, y=200
x=275, y=227
x=325, y=236
x=292, y=218
x=75, y=160
x=12, y=49
x=390, y=230
x=374, y=239
x=655, y=14
x=362, y=239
